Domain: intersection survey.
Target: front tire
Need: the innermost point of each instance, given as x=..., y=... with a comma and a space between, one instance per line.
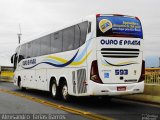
x=54, y=90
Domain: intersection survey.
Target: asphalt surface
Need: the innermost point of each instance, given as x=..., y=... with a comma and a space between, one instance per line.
x=10, y=104
x=114, y=108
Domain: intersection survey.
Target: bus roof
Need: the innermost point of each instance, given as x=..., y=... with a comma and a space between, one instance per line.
x=73, y=23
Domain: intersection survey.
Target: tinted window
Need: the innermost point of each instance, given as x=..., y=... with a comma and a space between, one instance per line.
x=22, y=54
x=23, y=51
x=89, y=27
x=77, y=36
x=83, y=26
x=36, y=48
x=45, y=45
x=68, y=38
x=29, y=50
x=56, y=42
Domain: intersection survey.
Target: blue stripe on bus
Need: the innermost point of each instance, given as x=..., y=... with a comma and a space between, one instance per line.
x=55, y=65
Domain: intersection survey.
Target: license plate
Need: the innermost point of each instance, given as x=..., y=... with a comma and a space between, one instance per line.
x=121, y=88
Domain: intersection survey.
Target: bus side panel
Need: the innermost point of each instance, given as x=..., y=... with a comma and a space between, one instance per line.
x=71, y=71
x=90, y=59
x=30, y=78
x=40, y=79
x=58, y=74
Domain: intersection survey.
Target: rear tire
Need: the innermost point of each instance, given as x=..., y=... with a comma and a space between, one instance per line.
x=64, y=92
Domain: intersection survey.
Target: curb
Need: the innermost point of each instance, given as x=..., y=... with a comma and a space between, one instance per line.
x=71, y=110
x=142, y=98
x=3, y=80
x=6, y=79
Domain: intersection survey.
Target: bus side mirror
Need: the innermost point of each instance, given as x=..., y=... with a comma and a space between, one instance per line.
x=12, y=58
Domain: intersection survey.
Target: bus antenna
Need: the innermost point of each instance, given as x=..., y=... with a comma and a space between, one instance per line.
x=19, y=34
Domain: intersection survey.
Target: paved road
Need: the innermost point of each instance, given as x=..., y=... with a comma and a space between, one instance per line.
x=116, y=108
x=11, y=104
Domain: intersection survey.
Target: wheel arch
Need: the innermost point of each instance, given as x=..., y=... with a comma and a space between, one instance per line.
x=19, y=79
x=62, y=80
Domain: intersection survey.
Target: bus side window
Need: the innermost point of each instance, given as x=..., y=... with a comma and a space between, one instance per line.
x=77, y=36
x=56, y=42
x=36, y=47
x=56, y=35
x=28, y=50
x=45, y=45
x=68, y=38
x=89, y=27
x=22, y=54
x=83, y=27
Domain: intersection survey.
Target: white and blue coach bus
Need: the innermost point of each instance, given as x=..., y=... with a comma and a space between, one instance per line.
x=99, y=55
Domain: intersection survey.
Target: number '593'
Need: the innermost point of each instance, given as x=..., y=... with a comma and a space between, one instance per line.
x=121, y=72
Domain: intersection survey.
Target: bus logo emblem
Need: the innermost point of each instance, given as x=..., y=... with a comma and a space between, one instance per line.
x=105, y=25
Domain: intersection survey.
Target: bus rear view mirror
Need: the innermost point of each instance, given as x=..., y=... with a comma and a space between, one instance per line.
x=12, y=58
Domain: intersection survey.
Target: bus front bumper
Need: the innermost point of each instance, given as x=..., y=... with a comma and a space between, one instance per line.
x=97, y=89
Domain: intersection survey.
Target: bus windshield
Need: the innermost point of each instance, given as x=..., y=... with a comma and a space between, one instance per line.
x=119, y=26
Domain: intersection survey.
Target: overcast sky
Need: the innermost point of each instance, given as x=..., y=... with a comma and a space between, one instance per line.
x=36, y=17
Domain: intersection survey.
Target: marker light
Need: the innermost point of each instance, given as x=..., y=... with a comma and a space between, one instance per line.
x=97, y=15
x=137, y=18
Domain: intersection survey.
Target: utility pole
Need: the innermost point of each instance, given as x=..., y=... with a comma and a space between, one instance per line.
x=19, y=34
x=159, y=62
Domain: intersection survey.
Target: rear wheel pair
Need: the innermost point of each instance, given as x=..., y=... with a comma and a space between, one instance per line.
x=61, y=91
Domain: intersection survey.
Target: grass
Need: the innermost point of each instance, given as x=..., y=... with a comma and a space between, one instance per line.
x=7, y=74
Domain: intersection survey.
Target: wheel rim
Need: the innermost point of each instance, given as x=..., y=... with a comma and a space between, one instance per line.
x=65, y=92
x=54, y=90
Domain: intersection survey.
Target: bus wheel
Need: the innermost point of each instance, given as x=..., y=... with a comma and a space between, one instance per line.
x=20, y=86
x=64, y=92
x=54, y=90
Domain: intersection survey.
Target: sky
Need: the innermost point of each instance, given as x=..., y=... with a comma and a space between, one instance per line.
x=37, y=17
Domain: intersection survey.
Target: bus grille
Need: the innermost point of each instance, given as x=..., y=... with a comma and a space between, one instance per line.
x=74, y=81
x=119, y=52
x=81, y=78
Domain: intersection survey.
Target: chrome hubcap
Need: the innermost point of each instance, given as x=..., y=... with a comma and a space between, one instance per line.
x=65, y=91
x=54, y=89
